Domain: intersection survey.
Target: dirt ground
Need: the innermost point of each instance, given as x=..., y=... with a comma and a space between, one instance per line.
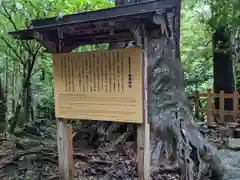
x=38, y=161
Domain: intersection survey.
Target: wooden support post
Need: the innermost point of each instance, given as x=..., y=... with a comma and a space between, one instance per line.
x=197, y=101
x=210, y=107
x=140, y=151
x=70, y=151
x=143, y=132
x=64, y=149
x=221, y=106
x=235, y=105
x=143, y=140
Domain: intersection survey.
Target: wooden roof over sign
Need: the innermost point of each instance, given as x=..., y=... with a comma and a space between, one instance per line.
x=96, y=27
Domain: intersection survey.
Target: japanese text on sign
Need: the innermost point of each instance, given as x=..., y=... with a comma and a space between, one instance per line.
x=99, y=85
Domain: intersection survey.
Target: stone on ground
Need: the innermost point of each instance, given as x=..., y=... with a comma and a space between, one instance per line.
x=233, y=143
x=231, y=161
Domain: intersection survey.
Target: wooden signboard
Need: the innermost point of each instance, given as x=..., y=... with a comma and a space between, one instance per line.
x=99, y=85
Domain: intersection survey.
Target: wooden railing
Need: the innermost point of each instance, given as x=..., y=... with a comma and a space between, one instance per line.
x=213, y=114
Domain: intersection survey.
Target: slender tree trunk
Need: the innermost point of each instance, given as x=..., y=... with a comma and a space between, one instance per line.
x=27, y=92
x=3, y=99
x=6, y=80
x=13, y=87
x=21, y=113
x=27, y=103
x=22, y=110
x=3, y=109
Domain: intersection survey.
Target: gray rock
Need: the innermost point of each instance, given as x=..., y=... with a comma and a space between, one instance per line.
x=231, y=163
x=227, y=132
x=233, y=143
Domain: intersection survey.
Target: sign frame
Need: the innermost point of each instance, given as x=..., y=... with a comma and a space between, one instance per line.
x=99, y=85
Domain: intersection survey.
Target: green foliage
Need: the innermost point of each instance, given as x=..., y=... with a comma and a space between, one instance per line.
x=225, y=14
x=196, y=50
x=197, y=24
x=45, y=97
x=14, y=54
x=200, y=19
x=217, y=14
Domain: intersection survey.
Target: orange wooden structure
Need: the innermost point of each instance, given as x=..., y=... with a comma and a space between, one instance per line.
x=219, y=115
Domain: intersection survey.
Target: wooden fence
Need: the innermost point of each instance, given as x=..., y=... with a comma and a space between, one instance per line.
x=213, y=114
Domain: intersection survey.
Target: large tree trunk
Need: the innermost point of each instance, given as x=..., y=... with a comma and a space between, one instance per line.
x=172, y=123
x=222, y=66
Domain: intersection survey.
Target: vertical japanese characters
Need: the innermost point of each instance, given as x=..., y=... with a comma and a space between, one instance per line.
x=97, y=72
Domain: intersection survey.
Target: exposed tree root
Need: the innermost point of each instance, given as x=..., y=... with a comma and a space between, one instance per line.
x=120, y=140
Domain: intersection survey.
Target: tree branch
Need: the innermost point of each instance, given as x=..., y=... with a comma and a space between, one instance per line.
x=15, y=52
x=34, y=7
x=38, y=48
x=8, y=16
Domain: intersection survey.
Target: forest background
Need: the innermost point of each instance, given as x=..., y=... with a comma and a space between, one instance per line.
x=209, y=53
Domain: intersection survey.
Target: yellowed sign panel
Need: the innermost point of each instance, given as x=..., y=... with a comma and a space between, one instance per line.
x=99, y=85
